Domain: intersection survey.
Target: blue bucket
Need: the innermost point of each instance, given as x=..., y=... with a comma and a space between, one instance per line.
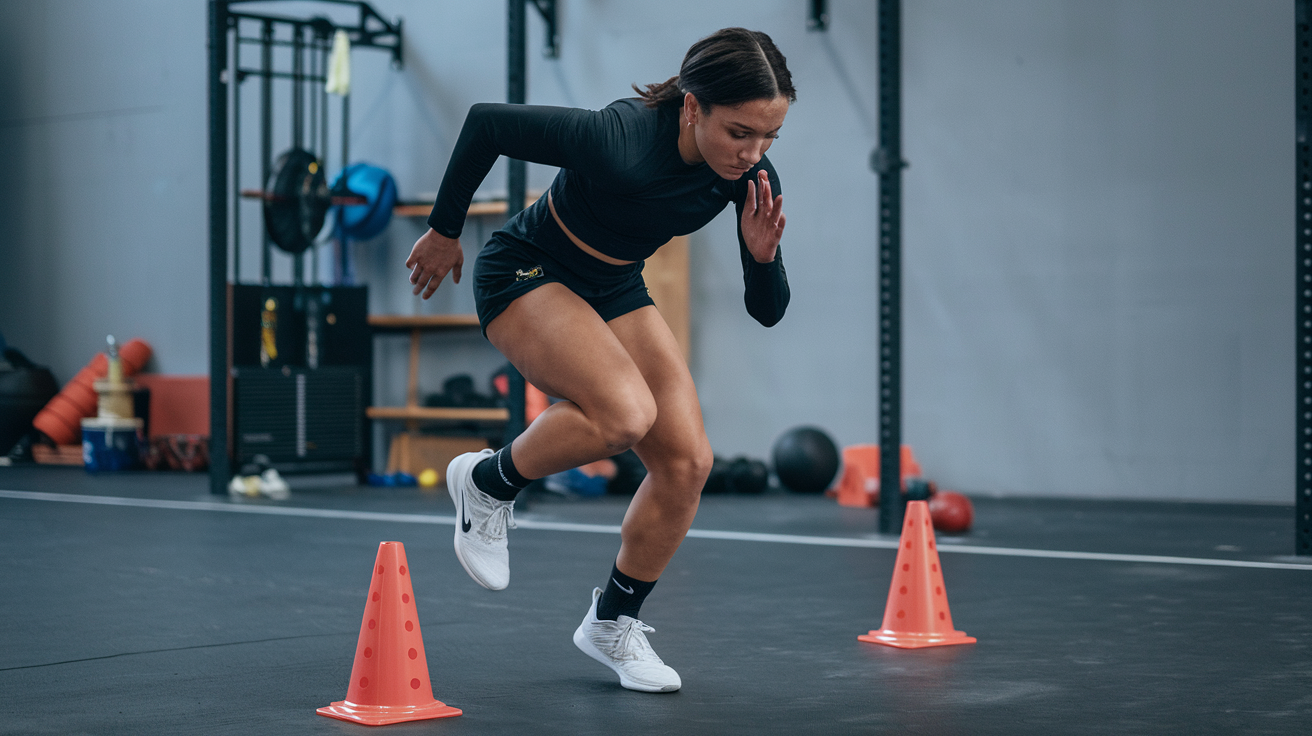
x=111, y=443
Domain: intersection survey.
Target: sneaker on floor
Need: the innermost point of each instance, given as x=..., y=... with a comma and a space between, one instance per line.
x=273, y=485
x=622, y=646
x=481, y=524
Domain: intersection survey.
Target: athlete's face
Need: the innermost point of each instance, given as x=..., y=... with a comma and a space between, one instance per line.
x=732, y=139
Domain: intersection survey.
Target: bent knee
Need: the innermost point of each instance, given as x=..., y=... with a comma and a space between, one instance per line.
x=687, y=468
x=627, y=426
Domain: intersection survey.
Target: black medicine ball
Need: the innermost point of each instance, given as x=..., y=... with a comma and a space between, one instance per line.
x=718, y=480
x=24, y=389
x=745, y=475
x=805, y=459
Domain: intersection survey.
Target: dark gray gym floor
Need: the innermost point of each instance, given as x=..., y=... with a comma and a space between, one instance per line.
x=139, y=619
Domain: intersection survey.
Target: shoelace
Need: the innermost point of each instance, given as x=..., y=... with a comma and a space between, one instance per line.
x=630, y=642
x=501, y=520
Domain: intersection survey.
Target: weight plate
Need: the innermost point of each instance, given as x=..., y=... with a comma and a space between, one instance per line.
x=296, y=200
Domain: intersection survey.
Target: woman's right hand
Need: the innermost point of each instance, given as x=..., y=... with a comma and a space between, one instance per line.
x=432, y=258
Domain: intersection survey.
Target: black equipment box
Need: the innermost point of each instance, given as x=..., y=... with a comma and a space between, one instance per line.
x=301, y=366
x=309, y=326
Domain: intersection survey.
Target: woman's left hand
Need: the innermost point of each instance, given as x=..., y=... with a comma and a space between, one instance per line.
x=763, y=219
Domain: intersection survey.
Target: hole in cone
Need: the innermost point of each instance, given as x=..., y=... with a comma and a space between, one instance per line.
x=380, y=569
x=905, y=567
x=403, y=569
x=413, y=653
x=934, y=567
x=901, y=614
x=409, y=625
x=364, y=682
x=414, y=684
x=938, y=590
x=375, y=596
x=368, y=652
x=903, y=590
x=372, y=623
x=942, y=616
x=405, y=597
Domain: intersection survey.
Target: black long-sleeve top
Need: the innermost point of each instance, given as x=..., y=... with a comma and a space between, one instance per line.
x=622, y=188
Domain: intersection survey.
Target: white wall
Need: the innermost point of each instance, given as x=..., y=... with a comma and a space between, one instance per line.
x=1098, y=287
x=1099, y=273
x=102, y=202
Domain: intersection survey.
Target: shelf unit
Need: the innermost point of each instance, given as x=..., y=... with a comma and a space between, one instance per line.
x=412, y=413
x=410, y=451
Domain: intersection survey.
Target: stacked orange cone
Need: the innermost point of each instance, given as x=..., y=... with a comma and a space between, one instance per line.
x=389, y=680
x=858, y=486
x=61, y=418
x=917, y=613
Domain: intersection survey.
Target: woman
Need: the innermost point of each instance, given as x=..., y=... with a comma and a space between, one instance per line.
x=559, y=292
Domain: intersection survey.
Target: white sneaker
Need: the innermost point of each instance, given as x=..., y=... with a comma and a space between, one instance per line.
x=481, y=524
x=622, y=646
x=273, y=486
x=245, y=486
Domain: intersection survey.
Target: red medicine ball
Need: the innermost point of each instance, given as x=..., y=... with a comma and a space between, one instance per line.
x=951, y=511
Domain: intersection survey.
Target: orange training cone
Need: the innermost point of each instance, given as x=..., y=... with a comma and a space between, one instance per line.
x=859, y=483
x=917, y=613
x=389, y=680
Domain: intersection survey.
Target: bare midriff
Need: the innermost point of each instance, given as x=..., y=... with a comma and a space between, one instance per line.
x=582, y=245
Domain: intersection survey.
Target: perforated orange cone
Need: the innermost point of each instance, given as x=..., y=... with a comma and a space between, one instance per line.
x=917, y=612
x=389, y=680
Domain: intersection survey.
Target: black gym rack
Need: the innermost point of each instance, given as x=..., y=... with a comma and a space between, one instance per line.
x=231, y=25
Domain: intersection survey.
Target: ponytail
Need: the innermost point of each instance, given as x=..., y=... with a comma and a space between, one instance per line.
x=661, y=93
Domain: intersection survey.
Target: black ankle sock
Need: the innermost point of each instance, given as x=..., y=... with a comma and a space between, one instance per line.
x=623, y=596
x=497, y=476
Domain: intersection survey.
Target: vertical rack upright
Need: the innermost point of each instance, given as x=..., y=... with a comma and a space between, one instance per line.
x=517, y=171
x=887, y=162
x=1303, y=289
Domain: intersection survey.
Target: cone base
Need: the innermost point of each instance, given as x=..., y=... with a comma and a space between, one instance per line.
x=910, y=640
x=381, y=715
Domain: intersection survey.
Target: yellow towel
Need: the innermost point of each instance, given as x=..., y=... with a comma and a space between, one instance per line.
x=339, y=66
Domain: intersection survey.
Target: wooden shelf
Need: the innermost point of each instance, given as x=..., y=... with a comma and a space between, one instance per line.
x=489, y=207
x=422, y=321
x=437, y=414
x=415, y=210
x=424, y=209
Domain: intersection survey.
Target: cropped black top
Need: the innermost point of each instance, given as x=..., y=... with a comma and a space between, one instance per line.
x=622, y=188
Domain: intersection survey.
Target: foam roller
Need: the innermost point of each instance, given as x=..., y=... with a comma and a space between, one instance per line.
x=61, y=419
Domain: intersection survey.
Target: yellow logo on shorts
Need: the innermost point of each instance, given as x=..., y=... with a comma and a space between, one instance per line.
x=532, y=273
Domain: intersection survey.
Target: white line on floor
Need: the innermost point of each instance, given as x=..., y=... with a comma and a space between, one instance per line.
x=240, y=508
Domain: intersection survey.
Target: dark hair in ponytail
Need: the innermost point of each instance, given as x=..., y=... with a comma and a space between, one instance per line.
x=728, y=67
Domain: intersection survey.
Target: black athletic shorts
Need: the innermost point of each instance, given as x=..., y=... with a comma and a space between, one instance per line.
x=509, y=267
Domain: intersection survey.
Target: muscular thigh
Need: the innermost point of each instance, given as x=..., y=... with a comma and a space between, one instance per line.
x=647, y=338
x=563, y=347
